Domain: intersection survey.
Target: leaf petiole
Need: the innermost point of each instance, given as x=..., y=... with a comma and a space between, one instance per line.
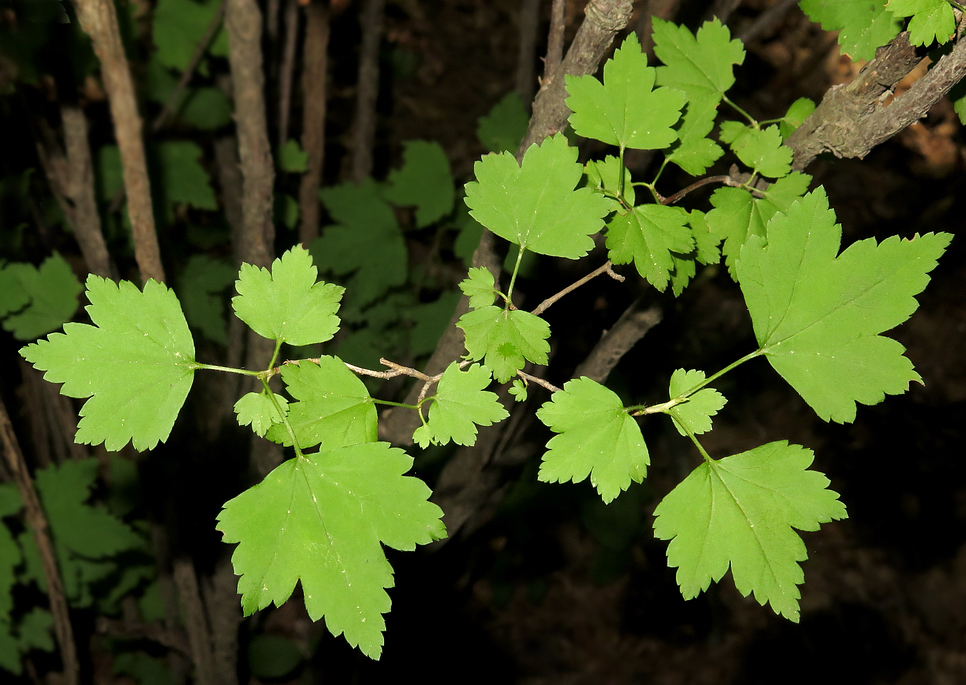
x=751, y=120
x=226, y=369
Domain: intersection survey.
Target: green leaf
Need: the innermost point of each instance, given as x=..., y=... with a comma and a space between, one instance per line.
x=178, y=26
x=518, y=390
x=460, y=404
x=183, y=179
x=425, y=181
x=597, y=438
x=865, y=24
x=35, y=630
x=292, y=158
x=760, y=149
x=700, y=65
x=740, y=511
x=536, y=206
x=932, y=20
x=366, y=242
x=694, y=151
x=288, y=304
x=52, y=291
x=479, y=286
x=505, y=339
x=320, y=519
x=604, y=175
x=799, y=111
x=257, y=410
x=705, y=241
x=647, y=235
x=737, y=214
x=201, y=289
x=504, y=126
x=136, y=363
x=696, y=413
x=624, y=110
x=429, y=320
x=817, y=316
x=333, y=406
x=206, y=108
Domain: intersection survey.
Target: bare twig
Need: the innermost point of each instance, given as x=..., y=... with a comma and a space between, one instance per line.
x=364, y=126
x=539, y=381
x=38, y=526
x=99, y=21
x=288, y=66
x=605, y=269
x=314, y=72
x=528, y=25
x=727, y=180
x=555, y=38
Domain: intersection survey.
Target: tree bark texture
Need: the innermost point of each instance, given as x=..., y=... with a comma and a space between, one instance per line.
x=99, y=21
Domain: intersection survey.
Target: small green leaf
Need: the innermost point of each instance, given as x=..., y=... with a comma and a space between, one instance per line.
x=292, y=158
x=460, y=404
x=257, y=410
x=818, y=316
x=647, y=235
x=696, y=413
x=624, y=110
x=865, y=24
x=333, y=406
x=504, y=126
x=178, y=26
x=425, y=181
x=201, y=287
x=288, y=304
x=932, y=20
x=760, y=149
x=136, y=363
x=323, y=519
x=694, y=151
x=519, y=390
x=206, y=108
x=799, y=111
x=700, y=65
x=183, y=179
x=505, y=339
x=479, y=286
x=740, y=511
x=536, y=206
x=605, y=176
x=597, y=438
x=51, y=290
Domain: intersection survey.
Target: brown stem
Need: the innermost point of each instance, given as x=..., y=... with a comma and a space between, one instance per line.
x=605, y=269
x=528, y=26
x=851, y=119
x=38, y=525
x=200, y=49
x=694, y=186
x=364, y=128
x=196, y=624
x=86, y=220
x=288, y=67
x=539, y=381
x=555, y=38
x=314, y=72
x=99, y=21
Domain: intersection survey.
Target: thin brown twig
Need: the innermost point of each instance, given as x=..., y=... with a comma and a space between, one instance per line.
x=539, y=381
x=555, y=38
x=605, y=269
x=288, y=67
x=727, y=180
x=39, y=526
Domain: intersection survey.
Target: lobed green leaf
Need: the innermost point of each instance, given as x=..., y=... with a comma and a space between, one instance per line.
x=505, y=339
x=461, y=403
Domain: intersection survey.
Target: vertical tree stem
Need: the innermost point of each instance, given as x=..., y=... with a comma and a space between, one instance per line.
x=314, y=74
x=364, y=132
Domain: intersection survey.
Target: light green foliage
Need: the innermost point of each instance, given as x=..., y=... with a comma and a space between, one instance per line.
x=597, y=438
x=461, y=403
x=200, y=289
x=288, y=304
x=605, y=176
x=624, y=110
x=695, y=152
x=138, y=354
x=864, y=24
x=518, y=390
x=505, y=339
x=178, y=27
x=43, y=298
x=740, y=511
x=183, y=179
x=479, y=286
x=700, y=65
x=424, y=181
x=84, y=535
x=817, y=316
x=366, y=241
x=647, y=235
x=932, y=20
x=292, y=158
x=761, y=149
x=333, y=407
x=323, y=519
x=797, y=113
x=536, y=206
x=504, y=126
x=696, y=413
x=705, y=241
x=257, y=410
x=738, y=214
